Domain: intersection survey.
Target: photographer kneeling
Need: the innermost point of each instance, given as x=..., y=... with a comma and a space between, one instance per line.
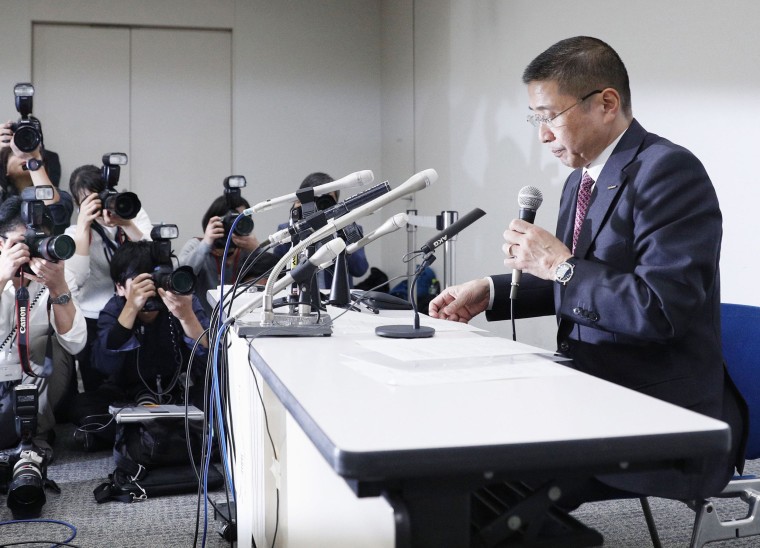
x=52, y=327
x=144, y=342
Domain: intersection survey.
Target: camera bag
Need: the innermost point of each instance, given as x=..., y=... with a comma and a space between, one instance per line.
x=160, y=482
x=156, y=443
x=152, y=460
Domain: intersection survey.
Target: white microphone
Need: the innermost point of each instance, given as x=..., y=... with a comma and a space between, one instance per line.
x=529, y=199
x=360, y=178
x=416, y=182
x=391, y=225
x=319, y=260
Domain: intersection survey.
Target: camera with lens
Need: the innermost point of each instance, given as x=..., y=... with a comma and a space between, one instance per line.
x=124, y=204
x=27, y=132
x=23, y=469
x=39, y=227
x=180, y=280
x=244, y=226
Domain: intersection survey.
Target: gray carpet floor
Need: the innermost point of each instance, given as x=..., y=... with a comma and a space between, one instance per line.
x=158, y=522
x=170, y=521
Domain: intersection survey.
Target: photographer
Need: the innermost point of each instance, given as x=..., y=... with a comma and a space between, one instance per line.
x=50, y=306
x=19, y=170
x=98, y=233
x=144, y=341
x=50, y=159
x=204, y=254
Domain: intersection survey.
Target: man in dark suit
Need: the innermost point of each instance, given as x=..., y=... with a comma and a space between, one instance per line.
x=634, y=282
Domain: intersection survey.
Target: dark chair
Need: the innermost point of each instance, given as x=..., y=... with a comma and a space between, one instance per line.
x=740, y=326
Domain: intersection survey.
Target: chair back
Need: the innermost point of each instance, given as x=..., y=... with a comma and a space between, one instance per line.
x=740, y=326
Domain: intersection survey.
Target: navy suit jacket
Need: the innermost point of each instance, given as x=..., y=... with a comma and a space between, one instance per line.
x=643, y=306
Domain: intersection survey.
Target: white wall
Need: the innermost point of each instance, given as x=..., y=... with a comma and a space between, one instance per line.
x=694, y=79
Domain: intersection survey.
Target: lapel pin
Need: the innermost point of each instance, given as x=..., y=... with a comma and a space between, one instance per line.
x=611, y=187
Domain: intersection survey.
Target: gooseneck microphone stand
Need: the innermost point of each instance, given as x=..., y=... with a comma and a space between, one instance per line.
x=415, y=331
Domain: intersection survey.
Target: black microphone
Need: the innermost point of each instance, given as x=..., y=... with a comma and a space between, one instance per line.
x=529, y=199
x=316, y=221
x=454, y=229
x=416, y=331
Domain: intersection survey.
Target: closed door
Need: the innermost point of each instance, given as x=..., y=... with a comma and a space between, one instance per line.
x=161, y=95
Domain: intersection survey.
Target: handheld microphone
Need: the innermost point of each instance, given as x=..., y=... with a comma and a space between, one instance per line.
x=529, y=199
x=390, y=225
x=319, y=260
x=360, y=178
x=454, y=229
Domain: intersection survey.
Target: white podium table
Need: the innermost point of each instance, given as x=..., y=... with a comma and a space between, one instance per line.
x=422, y=423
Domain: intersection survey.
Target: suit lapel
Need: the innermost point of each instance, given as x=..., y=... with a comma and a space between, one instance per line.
x=610, y=184
x=566, y=217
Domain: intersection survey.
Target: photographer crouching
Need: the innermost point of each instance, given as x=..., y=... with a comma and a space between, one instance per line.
x=40, y=329
x=146, y=334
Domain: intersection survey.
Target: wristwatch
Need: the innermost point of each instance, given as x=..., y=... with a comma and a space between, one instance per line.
x=564, y=272
x=61, y=299
x=33, y=164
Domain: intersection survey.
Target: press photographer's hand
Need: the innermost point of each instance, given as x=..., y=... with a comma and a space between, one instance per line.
x=112, y=219
x=6, y=134
x=50, y=274
x=138, y=290
x=181, y=307
x=247, y=243
x=89, y=211
x=13, y=255
x=214, y=231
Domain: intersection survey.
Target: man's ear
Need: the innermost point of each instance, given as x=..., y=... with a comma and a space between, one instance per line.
x=120, y=290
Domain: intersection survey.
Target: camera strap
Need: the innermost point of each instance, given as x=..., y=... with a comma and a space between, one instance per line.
x=109, y=246
x=23, y=311
x=22, y=321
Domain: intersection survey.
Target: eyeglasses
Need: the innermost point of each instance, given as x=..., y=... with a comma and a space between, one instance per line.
x=536, y=119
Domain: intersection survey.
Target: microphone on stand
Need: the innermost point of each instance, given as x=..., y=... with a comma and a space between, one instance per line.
x=399, y=220
x=416, y=331
x=529, y=199
x=360, y=178
x=307, y=226
x=416, y=182
x=319, y=260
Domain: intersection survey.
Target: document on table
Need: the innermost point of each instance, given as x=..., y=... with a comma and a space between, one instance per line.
x=452, y=359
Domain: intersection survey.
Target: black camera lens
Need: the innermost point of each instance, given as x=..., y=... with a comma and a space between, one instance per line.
x=26, y=494
x=180, y=281
x=26, y=137
x=244, y=227
x=124, y=204
x=53, y=248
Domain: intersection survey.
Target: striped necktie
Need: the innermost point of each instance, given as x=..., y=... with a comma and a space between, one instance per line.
x=584, y=198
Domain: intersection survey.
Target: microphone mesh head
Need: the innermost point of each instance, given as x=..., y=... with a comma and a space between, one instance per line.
x=529, y=198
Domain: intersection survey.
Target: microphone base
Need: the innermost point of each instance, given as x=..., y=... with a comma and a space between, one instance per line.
x=287, y=325
x=404, y=332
